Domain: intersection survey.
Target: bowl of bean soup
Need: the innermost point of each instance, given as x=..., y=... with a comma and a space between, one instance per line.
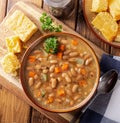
x=59, y=72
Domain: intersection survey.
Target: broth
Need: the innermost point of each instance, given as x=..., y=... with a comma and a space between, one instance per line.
x=64, y=79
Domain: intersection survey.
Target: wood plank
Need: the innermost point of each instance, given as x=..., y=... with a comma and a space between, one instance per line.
x=115, y=51
x=2, y=9
x=83, y=29
x=37, y=117
x=15, y=87
x=38, y=3
x=12, y=109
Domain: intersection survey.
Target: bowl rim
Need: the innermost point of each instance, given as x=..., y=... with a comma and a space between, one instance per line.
x=22, y=78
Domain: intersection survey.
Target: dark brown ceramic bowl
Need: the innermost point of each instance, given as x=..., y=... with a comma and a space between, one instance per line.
x=23, y=77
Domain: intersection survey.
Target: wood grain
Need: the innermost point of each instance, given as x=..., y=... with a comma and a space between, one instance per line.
x=38, y=3
x=12, y=109
x=2, y=9
x=37, y=117
x=34, y=13
x=115, y=51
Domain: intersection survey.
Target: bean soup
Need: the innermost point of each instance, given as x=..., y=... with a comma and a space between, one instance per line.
x=61, y=72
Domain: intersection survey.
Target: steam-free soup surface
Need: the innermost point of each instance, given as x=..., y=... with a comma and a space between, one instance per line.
x=63, y=79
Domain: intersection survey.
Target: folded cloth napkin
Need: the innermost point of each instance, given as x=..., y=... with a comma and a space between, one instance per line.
x=106, y=107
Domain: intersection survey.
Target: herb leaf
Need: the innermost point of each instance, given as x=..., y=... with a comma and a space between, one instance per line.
x=51, y=45
x=48, y=25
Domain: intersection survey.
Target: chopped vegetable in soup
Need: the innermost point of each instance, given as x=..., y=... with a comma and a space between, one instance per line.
x=61, y=76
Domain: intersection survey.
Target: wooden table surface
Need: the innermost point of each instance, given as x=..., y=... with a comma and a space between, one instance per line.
x=15, y=110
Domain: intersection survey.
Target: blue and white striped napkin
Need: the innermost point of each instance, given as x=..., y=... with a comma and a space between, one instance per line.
x=106, y=108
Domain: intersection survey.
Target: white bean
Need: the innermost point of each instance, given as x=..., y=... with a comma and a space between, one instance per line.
x=71, y=102
x=45, y=71
x=86, y=56
x=75, y=88
x=73, y=72
x=69, y=73
x=37, y=85
x=54, y=83
x=52, y=75
x=51, y=95
x=69, y=92
x=88, y=61
x=37, y=67
x=68, y=79
x=30, y=81
x=51, y=69
x=64, y=41
x=59, y=79
x=37, y=51
x=67, y=52
x=53, y=61
x=36, y=76
x=76, y=97
x=58, y=100
x=72, y=60
x=51, y=57
x=79, y=77
x=64, y=74
x=73, y=54
x=65, y=57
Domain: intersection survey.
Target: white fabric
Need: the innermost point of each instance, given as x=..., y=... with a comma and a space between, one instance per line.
x=113, y=109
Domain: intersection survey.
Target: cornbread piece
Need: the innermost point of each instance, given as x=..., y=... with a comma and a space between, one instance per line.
x=99, y=5
x=13, y=44
x=21, y=25
x=106, y=25
x=10, y=63
x=114, y=8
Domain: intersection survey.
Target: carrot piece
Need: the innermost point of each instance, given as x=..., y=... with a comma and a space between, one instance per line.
x=64, y=67
x=31, y=74
x=50, y=99
x=32, y=58
x=74, y=42
x=62, y=47
x=61, y=92
x=57, y=70
x=59, y=54
x=83, y=71
x=82, y=83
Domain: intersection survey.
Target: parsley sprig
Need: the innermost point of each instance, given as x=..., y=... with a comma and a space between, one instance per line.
x=48, y=25
x=51, y=45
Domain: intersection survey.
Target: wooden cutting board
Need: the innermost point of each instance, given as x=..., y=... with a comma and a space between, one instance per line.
x=12, y=83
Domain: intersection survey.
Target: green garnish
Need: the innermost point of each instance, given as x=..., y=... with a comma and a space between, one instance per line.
x=48, y=25
x=43, y=93
x=44, y=77
x=51, y=45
